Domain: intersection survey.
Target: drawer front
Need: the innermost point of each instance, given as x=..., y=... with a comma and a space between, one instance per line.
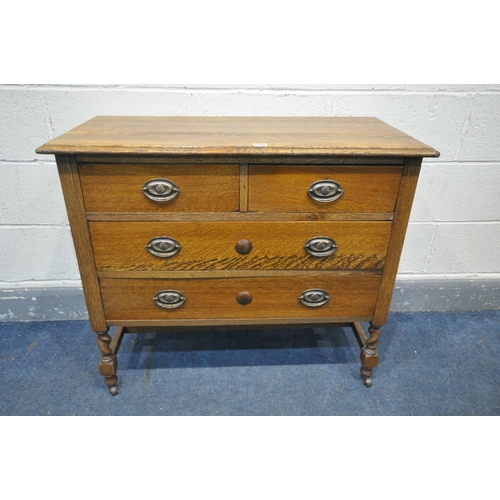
x=240, y=298
x=160, y=188
x=192, y=246
x=323, y=188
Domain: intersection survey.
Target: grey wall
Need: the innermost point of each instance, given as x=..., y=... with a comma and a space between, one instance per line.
x=452, y=245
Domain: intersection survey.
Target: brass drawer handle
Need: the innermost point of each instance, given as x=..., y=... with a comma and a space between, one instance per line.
x=314, y=298
x=321, y=246
x=163, y=247
x=169, y=299
x=160, y=190
x=325, y=191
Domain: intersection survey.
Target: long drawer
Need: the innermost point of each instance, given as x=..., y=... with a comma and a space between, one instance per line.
x=192, y=246
x=240, y=298
x=312, y=188
x=157, y=188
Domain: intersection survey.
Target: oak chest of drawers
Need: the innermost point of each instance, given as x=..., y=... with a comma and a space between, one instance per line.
x=212, y=222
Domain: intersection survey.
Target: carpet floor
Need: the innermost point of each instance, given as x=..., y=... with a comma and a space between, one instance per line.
x=430, y=364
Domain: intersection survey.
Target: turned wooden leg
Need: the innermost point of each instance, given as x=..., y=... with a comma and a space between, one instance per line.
x=369, y=354
x=107, y=363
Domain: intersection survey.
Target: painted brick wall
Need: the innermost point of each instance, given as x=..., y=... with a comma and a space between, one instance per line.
x=455, y=223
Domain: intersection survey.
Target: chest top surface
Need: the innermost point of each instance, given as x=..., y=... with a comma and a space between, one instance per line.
x=259, y=136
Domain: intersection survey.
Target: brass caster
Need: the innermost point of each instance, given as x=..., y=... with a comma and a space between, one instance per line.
x=367, y=381
x=113, y=390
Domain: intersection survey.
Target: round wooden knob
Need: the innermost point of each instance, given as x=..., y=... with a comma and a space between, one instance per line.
x=243, y=247
x=244, y=298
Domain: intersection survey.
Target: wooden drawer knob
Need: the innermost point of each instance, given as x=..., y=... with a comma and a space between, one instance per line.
x=244, y=298
x=243, y=247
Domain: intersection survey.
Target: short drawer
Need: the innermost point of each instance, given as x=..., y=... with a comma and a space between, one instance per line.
x=323, y=188
x=159, y=187
x=193, y=246
x=240, y=298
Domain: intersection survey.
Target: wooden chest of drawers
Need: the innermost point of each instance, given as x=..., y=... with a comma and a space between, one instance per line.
x=211, y=222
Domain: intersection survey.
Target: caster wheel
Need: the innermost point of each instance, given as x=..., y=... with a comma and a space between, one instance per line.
x=113, y=390
x=367, y=381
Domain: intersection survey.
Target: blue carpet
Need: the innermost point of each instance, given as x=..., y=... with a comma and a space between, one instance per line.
x=430, y=364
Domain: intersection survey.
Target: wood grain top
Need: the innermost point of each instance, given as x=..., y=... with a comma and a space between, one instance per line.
x=260, y=136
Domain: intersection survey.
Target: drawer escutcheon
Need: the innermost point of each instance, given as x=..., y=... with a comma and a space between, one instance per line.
x=169, y=299
x=160, y=190
x=320, y=246
x=325, y=191
x=163, y=246
x=314, y=298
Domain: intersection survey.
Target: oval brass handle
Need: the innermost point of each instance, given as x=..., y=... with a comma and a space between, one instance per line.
x=163, y=246
x=314, y=298
x=160, y=190
x=169, y=299
x=244, y=298
x=243, y=247
x=320, y=246
x=325, y=191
